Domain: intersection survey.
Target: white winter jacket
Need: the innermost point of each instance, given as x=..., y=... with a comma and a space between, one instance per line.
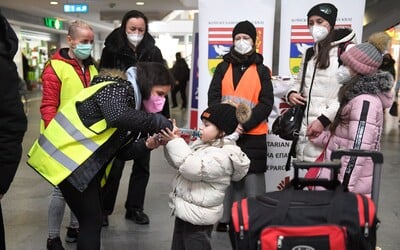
x=321, y=95
x=204, y=172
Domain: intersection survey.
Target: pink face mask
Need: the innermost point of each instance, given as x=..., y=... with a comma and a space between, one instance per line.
x=154, y=104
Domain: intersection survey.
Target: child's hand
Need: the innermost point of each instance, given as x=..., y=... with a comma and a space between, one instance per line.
x=175, y=129
x=166, y=135
x=239, y=129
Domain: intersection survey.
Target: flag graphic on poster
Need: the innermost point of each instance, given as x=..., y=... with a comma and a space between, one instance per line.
x=300, y=41
x=220, y=42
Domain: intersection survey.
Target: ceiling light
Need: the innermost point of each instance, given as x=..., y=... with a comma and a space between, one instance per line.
x=140, y=3
x=53, y=3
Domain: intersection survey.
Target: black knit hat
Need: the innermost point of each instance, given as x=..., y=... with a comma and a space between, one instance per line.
x=223, y=116
x=325, y=10
x=245, y=27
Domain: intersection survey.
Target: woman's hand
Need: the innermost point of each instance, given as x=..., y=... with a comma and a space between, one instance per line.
x=314, y=129
x=239, y=129
x=153, y=141
x=295, y=98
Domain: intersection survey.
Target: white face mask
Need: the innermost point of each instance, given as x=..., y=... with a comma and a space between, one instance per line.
x=243, y=46
x=343, y=74
x=319, y=32
x=134, y=39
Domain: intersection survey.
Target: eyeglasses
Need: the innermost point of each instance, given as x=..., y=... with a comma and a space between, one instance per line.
x=325, y=9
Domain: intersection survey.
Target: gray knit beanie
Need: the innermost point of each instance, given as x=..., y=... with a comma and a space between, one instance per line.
x=365, y=58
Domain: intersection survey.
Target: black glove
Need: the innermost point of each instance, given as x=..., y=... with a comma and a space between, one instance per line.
x=160, y=122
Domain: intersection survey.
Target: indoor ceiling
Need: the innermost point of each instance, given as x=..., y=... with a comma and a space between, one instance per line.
x=102, y=14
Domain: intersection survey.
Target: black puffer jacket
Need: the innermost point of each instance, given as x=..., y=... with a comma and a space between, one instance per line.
x=13, y=121
x=118, y=55
x=253, y=145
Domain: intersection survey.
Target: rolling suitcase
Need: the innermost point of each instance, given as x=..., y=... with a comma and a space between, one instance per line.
x=298, y=219
x=377, y=159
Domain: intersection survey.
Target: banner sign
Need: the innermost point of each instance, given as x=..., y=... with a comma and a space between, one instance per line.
x=295, y=37
x=216, y=22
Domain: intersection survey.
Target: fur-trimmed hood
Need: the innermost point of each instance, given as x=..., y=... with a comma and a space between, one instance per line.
x=110, y=75
x=379, y=83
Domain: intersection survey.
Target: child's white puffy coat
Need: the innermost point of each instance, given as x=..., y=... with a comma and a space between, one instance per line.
x=204, y=172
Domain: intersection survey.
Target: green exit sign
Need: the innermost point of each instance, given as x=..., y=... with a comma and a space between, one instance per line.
x=53, y=23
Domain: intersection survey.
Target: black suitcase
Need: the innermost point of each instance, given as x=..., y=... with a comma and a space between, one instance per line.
x=298, y=219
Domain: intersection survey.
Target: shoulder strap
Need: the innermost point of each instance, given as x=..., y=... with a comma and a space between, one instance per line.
x=309, y=54
x=357, y=143
x=342, y=48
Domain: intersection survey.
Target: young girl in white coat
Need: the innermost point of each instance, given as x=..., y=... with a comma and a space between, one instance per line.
x=205, y=169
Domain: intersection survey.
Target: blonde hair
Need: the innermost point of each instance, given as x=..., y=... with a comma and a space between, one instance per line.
x=74, y=25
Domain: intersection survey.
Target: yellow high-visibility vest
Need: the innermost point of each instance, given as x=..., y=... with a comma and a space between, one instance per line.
x=67, y=143
x=71, y=83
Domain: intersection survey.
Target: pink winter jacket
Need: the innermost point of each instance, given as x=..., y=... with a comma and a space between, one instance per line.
x=345, y=133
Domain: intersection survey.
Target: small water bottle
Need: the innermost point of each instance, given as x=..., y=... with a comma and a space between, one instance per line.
x=189, y=134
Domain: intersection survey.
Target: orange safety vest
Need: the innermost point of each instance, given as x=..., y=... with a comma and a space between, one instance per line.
x=247, y=91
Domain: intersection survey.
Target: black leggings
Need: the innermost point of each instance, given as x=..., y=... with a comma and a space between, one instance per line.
x=191, y=237
x=87, y=207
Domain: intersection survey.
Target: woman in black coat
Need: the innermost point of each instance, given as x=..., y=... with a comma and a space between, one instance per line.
x=125, y=47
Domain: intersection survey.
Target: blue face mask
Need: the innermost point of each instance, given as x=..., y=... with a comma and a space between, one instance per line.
x=83, y=51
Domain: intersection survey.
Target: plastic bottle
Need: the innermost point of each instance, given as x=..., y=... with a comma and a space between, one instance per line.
x=192, y=133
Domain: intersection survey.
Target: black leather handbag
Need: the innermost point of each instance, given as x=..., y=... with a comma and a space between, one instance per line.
x=287, y=125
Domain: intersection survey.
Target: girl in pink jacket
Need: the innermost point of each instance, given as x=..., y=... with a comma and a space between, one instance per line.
x=358, y=124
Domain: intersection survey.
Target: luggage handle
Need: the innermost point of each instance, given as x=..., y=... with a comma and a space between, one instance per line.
x=376, y=157
x=300, y=183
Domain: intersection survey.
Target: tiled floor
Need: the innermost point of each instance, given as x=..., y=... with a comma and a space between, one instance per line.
x=25, y=205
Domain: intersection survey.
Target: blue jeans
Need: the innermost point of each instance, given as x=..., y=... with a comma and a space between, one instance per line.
x=56, y=214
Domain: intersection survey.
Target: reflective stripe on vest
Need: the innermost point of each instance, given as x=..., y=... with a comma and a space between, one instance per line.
x=247, y=91
x=67, y=143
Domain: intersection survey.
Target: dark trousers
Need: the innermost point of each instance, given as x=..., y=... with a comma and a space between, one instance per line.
x=191, y=237
x=2, y=235
x=181, y=87
x=137, y=184
x=87, y=206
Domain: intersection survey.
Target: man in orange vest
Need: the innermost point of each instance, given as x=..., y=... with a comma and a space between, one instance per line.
x=242, y=78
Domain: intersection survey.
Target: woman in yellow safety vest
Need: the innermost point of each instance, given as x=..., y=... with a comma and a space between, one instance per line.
x=88, y=132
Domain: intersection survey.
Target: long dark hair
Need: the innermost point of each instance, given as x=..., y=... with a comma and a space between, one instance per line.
x=324, y=46
x=343, y=100
x=151, y=74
